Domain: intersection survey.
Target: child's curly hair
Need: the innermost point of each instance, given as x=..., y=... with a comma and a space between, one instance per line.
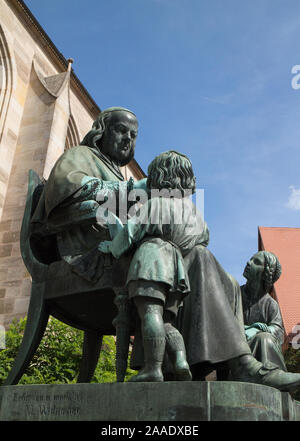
x=171, y=170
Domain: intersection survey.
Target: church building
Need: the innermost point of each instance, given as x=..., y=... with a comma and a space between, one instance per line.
x=44, y=110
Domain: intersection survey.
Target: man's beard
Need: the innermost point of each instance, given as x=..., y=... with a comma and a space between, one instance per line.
x=124, y=160
x=116, y=156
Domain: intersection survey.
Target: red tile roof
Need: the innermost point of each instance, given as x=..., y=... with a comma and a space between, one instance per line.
x=285, y=244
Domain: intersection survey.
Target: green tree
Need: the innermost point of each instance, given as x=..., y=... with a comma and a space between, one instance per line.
x=58, y=357
x=292, y=361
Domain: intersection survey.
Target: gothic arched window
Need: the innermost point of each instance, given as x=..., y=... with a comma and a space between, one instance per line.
x=6, y=80
x=72, y=138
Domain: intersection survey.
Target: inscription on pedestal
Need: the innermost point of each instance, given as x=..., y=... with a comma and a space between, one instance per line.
x=39, y=402
x=44, y=405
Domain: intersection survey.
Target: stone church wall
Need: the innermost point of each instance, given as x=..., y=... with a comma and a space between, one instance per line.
x=44, y=109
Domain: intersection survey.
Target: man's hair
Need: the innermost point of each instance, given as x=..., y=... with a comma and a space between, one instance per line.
x=272, y=270
x=93, y=137
x=171, y=170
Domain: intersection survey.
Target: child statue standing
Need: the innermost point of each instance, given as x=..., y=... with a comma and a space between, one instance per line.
x=164, y=230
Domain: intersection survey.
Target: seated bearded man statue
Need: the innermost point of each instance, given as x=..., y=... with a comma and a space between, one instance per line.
x=80, y=181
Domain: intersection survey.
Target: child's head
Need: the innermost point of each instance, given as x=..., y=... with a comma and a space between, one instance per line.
x=263, y=266
x=171, y=170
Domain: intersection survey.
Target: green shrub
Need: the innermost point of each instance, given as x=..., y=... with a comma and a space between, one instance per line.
x=57, y=360
x=58, y=357
x=292, y=361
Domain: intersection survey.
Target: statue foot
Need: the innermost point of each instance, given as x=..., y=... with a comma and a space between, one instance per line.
x=181, y=367
x=284, y=381
x=177, y=354
x=183, y=375
x=249, y=370
x=146, y=375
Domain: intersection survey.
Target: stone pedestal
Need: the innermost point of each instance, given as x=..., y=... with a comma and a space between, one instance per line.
x=168, y=401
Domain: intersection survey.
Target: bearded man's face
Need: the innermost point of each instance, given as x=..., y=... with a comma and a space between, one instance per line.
x=119, y=138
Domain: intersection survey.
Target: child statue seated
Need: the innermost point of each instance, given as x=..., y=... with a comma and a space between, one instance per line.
x=263, y=322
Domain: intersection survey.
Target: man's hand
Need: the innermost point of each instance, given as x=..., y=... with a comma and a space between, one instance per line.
x=105, y=246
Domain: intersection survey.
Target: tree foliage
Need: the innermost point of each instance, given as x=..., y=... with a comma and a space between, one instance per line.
x=58, y=357
x=292, y=361
x=57, y=360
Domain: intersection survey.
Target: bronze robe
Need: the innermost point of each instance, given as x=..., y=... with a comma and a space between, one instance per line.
x=211, y=319
x=265, y=346
x=67, y=207
x=164, y=231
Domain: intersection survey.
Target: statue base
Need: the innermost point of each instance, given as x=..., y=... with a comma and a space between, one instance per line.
x=168, y=401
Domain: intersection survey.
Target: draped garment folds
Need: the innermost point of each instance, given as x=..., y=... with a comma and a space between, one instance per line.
x=68, y=203
x=165, y=229
x=211, y=319
x=265, y=345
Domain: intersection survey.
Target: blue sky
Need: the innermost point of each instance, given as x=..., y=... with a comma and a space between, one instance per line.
x=209, y=78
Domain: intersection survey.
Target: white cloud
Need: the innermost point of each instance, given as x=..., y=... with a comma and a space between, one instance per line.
x=294, y=199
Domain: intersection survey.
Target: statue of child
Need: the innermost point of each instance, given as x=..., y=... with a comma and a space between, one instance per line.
x=163, y=230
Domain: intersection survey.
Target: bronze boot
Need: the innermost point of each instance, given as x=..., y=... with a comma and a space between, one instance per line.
x=247, y=369
x=175, y=348
x=154, y=350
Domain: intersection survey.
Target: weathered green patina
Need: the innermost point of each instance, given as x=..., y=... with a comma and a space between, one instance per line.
x=166, y=228
x=167, y=266
x=263, y=322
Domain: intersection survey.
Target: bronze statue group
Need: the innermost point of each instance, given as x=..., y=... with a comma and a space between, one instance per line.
x=191, y=315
